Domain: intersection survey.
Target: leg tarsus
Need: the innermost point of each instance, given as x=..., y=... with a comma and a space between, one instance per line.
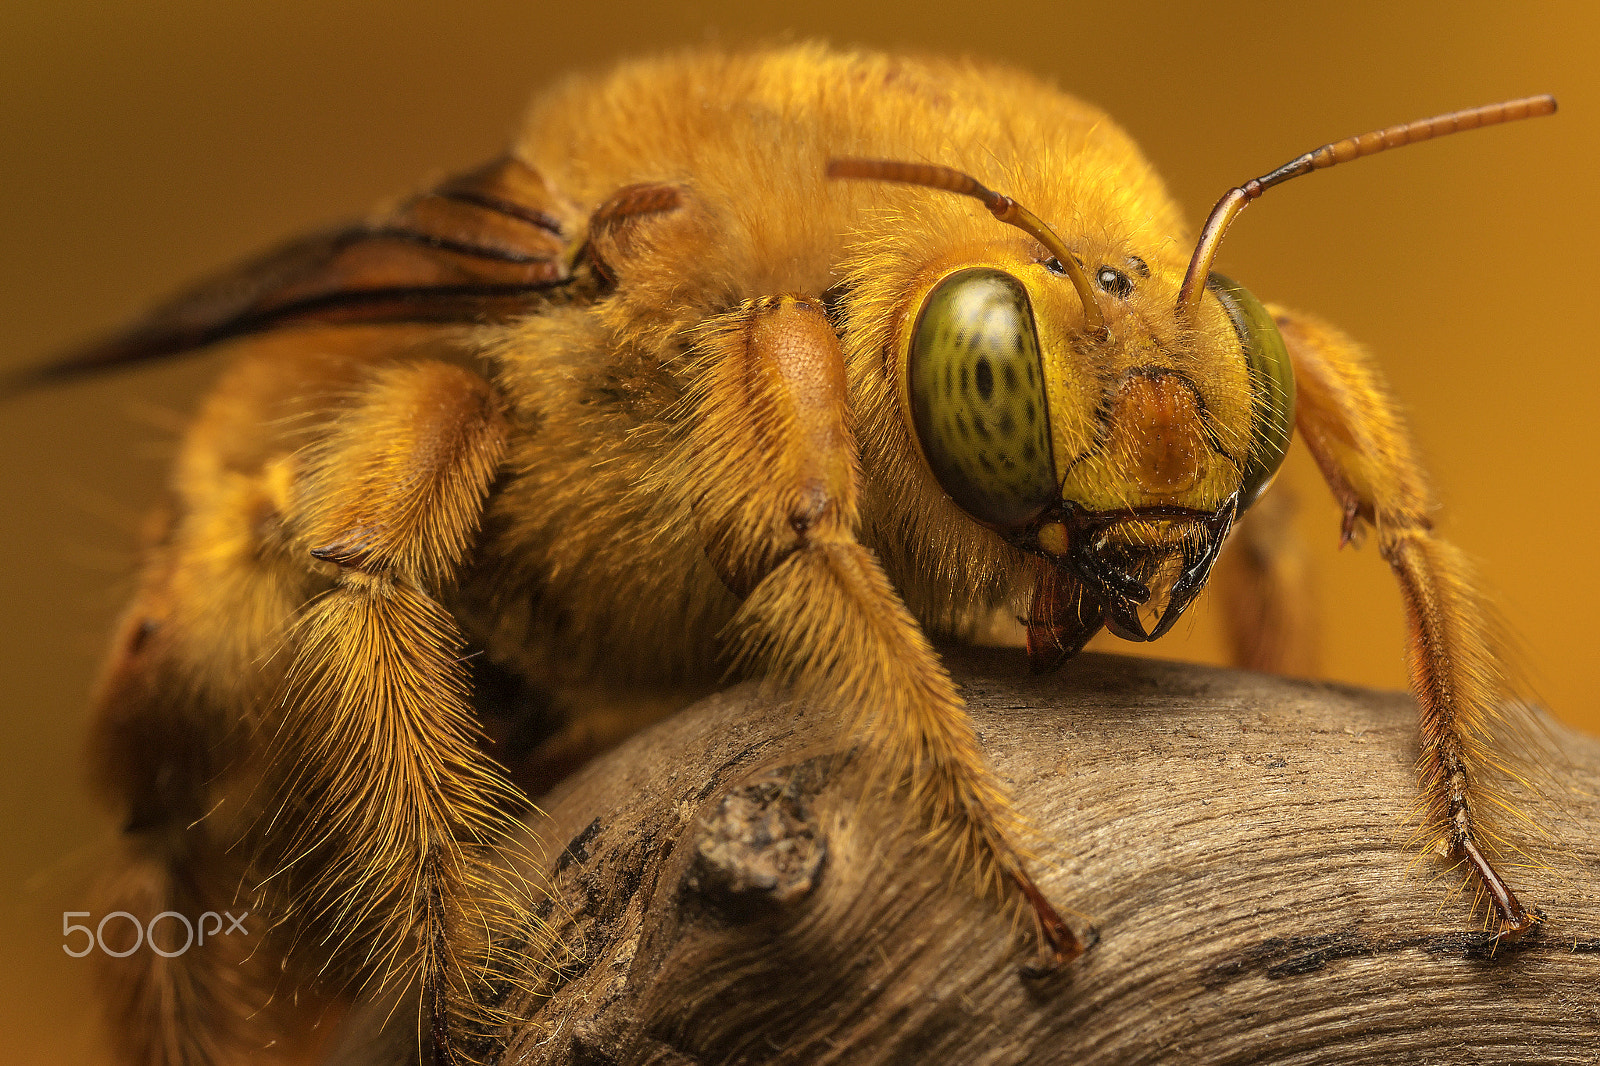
x=1059, y=944
x=1515, y=922
x=1355, y=432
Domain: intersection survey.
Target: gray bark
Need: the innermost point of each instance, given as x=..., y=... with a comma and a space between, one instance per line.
x=1237, y=842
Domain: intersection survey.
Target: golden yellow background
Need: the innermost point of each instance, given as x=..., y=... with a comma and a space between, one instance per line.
x=145, y=144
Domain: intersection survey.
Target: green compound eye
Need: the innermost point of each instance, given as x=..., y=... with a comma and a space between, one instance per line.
x=1272, y=378
x=977, y=397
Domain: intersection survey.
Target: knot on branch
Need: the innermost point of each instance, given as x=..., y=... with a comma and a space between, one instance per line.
x=761, y=850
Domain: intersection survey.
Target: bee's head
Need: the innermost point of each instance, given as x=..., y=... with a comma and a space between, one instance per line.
x=1063, y=398
x=1112, y=415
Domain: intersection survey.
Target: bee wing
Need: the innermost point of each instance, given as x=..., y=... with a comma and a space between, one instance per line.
x=481, y=247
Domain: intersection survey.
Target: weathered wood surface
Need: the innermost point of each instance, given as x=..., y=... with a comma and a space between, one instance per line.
x=1237, y=841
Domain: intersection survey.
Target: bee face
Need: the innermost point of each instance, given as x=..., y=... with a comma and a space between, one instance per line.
x=1122, y=457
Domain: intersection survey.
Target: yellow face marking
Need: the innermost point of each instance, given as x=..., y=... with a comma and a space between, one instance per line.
x=1052, y=537
x=1155, y=417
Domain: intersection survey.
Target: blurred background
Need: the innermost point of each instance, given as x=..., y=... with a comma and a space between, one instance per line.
x=146, y=144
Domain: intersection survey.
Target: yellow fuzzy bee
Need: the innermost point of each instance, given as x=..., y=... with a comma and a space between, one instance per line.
x=787, y=360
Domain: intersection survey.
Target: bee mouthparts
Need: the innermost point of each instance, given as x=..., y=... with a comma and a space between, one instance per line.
x=1145, y=561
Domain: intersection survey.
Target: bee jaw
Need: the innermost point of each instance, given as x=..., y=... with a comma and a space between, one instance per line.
x=1117, y=556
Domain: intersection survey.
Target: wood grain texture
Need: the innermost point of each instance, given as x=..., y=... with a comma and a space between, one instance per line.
x=1236, y=840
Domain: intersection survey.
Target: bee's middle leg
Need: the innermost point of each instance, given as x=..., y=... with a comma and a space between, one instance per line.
x=772, y=481
x=389, y=812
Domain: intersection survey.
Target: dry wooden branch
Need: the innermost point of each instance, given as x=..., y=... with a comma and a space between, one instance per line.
x=1236, y=840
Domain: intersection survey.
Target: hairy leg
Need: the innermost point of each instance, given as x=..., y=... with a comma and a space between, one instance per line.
x=1359, y=440
x=772, y=483
x=386, y=811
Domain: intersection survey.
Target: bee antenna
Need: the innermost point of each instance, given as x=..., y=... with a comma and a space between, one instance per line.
x=1001, y=207
x=1235, y=199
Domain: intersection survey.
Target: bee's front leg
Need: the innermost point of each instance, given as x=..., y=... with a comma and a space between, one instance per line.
x=1359, y=440
x=772, y=482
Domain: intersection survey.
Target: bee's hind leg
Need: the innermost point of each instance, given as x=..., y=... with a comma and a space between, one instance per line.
x=191, y=977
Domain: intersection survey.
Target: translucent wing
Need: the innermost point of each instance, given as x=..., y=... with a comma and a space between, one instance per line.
x=482, y=247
